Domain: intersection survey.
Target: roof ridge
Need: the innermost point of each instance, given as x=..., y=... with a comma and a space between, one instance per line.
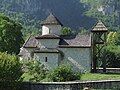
x=27, y=40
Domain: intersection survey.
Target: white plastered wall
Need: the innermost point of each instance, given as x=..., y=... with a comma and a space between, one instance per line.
x=51, y=29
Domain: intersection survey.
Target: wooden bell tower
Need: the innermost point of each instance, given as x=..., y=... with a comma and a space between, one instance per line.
x=99, y=36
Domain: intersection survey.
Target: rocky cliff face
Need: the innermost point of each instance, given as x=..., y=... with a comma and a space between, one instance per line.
x=107, y=9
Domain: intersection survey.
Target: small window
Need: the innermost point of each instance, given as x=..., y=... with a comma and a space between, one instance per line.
x=45, y=59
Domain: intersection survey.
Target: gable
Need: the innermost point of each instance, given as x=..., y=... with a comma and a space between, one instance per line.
x=31, y=42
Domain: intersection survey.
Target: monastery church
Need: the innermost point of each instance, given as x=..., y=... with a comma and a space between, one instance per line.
x=52, y=48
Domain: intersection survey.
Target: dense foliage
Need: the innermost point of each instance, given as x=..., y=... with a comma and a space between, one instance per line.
x=10, y=35
x=36, y=72
x=113, y=56
x=63, y=73
x=10, y=71
x=66, y=31
x=106, y=10
x=113, y=52
x=33, y=70
x=76, y=14
x=10, y=67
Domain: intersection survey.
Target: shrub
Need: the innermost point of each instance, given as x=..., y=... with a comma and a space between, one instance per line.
x=62, y=73
x=33, y=70
x=10, y=70
x=113, y=56
x=66, y=31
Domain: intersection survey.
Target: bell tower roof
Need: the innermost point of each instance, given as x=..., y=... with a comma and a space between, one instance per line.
x=51, y=20
x=99, y=27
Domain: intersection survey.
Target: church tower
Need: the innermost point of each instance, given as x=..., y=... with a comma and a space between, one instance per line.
x=51, y=25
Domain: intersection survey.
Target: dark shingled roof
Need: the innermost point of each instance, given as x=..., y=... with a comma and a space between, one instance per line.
x=48, y=36
x=99, y=27
x=46, y=50
x=65, y=41
x=75, y=41
x=31, y=42
x=51, y=20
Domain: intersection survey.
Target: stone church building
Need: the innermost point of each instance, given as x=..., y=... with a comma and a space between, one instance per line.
x=52, y=48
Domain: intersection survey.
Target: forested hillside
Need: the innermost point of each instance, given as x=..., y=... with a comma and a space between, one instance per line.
x=72, y=13
x=105, y=10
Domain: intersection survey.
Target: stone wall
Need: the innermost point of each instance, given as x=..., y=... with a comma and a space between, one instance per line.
x=101, y=85
x=80, y=58
x=52, y=59
x=109, y=70
x=48, y=43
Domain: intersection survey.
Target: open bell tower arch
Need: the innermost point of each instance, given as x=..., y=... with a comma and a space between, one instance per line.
x=99, y=36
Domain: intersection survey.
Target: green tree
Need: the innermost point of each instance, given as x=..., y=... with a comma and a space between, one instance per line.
x=63, y=73
x=33, y=71
x=113, y=56
x=66, y=31
x=10, y=35
x=111, y=38
x=113, y=52
x=82, y=30
x=10, y=71
x=117, y=38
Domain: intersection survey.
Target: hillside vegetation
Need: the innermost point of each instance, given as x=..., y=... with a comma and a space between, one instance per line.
x=106, y=10
x=72, y=13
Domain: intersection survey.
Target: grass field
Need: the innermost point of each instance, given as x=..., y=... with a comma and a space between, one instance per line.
x=87, y=76
x=92, y=76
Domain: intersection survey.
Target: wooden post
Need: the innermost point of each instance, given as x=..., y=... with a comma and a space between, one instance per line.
x=104, y=56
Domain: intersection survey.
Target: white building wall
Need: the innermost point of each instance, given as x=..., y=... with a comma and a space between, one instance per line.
x=48, y=43
x=80, y=58
x=51, y=29
x=52, y=59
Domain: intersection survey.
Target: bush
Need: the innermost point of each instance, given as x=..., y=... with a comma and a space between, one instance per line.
x=10, y=70
x=62, y=73
x=34, y=70
x=66, y=31
x=113, y=56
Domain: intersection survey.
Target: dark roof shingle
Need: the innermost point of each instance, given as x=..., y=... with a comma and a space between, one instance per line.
x=31, y=42
x=65, y=41
x=51, y=20
x=75, y=41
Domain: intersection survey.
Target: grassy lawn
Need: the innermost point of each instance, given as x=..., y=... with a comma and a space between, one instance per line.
x=91, y=76
x=87, y=76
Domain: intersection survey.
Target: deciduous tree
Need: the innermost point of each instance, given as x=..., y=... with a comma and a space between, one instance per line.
x=10, y=35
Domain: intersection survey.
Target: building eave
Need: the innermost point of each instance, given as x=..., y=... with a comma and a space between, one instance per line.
x=30, y=47
x=67, y=46
x=48, y=36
